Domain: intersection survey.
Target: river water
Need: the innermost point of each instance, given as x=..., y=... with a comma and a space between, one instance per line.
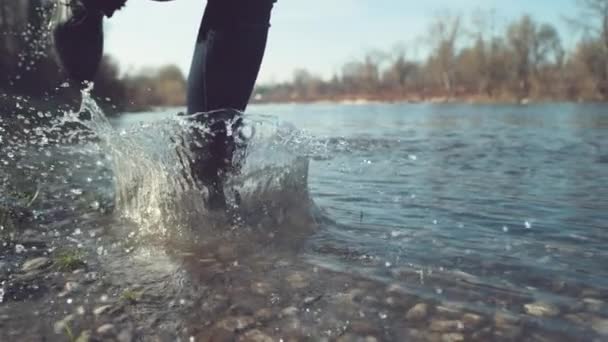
x=354, y=222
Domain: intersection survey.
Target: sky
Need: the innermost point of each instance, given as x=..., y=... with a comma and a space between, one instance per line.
x=319, y=35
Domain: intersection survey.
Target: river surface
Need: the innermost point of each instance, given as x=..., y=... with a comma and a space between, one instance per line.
x=354, y=222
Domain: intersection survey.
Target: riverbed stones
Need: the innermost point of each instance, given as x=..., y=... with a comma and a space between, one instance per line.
x=237, y=323
x=261, y=288
x=540, y=309
x=417, y=313
x=255, y=335
x=35, y=264
x=263, y=314
x=84, y=336
x=446, y=325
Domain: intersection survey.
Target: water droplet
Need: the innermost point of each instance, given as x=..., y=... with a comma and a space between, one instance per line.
x=505, y=229
x=439, y=290
x=76, y=191
x=388, y=264
x=528, y=225
x=413, y=157
x=69, y=301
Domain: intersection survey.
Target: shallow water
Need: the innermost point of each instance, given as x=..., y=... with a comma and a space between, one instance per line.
x=494, y=217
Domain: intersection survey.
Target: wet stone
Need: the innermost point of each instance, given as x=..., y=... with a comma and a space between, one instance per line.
x=35, y=264
x=452, y=337
x=593, y=305
x=419, y=312
x=504, y=319
x=106, y=329
x=297, y=280
x=446, y=325
x=263, y=315
x=508, y=332
x=255, y=336
x=471, y=320
x=540, y=309
x=261, y=288
x=102, y=310
x=600, y=326
x=235, y=324
x=363, y=328
x=125, y=336
x=289, y=311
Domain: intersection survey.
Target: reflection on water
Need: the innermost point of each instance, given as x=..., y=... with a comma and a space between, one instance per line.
x=418, y=222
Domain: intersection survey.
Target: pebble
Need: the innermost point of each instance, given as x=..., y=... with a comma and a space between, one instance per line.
x=35, y=264
x=289, y=311
x=59, y=326
x=452, y=337
x=472, y=321
x=508, y=332
x=106, y=329
x=502, y=319
x=102, y=310
x=600, y=326
x=297, y=280
x=446, y=326
x=418, y=312
x=541, y=309
x=263, y=315
x=125, y=336
x=237, y=323
x=593, y=305
x=255, y=336
x=261, y=288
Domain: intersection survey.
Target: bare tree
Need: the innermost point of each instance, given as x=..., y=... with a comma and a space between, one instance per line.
x=444, y=33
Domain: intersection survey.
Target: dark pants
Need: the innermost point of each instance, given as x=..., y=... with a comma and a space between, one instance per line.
x=227, y=57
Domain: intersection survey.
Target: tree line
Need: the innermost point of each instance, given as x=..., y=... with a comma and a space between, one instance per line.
x=28, y=66
x=475, y=60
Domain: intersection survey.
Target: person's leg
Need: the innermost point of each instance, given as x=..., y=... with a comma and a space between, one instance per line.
x=227, y=57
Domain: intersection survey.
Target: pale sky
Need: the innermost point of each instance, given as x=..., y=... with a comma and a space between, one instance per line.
x=319, y=35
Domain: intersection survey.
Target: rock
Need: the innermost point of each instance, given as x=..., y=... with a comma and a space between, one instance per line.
x=297, y=280
x=263, y=315
x=593, y=305
x=419, y=312
x=446, y=326
x=472, y=321
x=125, y=336
x=102, y=310
x=508, y=332
x=226, y=253
x=60, y=326
x=452, y=337
x=503, y=319
x=84, y=336
x=312, y=299
x=600, y=326
x=261, y=288
x=540, y=309
x=289, y=311
x=364, y=328
x=235, y=324
x=106, y=329
x=255, y=336
x=35, y=264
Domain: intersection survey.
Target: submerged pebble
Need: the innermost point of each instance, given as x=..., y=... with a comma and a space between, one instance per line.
x=541, y=309
x=35, y=264
x=106, y=329
x=418, y=312
x=600, y=326
x=446, y=325
x=255, y=336
x=235, y=324
x=452, y=337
